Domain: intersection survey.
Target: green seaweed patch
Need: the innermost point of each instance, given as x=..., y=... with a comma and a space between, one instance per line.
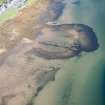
x=10, y=13
x=2, y=1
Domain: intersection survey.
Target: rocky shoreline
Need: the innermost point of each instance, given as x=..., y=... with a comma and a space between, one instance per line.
x=11, y=3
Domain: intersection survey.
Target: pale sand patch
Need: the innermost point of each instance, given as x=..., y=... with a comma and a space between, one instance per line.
x=26, y=40
x=2, y=50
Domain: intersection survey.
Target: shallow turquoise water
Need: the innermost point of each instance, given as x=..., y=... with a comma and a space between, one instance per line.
x=81, y=81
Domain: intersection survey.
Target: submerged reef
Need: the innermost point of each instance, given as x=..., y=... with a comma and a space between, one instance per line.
x=65, y=41
x=75, y=2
